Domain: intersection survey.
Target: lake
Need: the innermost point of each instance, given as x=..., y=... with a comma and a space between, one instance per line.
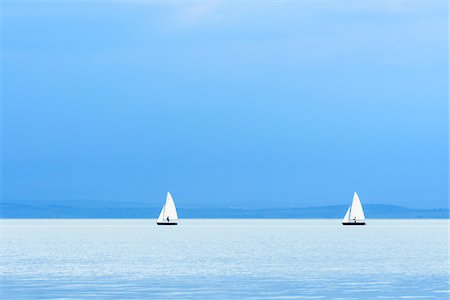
x=224, y=258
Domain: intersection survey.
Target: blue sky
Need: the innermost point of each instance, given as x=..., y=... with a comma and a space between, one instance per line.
x=225, y=103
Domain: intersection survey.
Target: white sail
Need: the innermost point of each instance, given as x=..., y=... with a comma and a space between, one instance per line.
x=347, y=215
x=161, y=214
x=169, y=211
x=355, y=212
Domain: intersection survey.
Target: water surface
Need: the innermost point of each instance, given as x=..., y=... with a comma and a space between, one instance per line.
x=216, y=259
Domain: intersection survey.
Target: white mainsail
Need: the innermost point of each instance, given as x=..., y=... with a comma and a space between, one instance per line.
x=169, y=211
x=355, y=211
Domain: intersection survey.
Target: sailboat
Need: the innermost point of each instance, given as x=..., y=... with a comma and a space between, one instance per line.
x=355, y=213
x=168, y=215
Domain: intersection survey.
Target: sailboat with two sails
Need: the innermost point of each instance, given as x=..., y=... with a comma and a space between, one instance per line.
x=355, y=213
x=168, y=215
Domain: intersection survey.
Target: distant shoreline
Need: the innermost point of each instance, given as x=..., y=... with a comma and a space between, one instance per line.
x=188, y=218
x=93, y=210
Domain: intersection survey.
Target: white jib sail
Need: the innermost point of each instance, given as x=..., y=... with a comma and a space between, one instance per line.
x=347, y=215
x=168, y=211
x=355, y=211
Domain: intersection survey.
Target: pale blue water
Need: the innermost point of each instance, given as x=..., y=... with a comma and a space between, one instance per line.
x=217, y=259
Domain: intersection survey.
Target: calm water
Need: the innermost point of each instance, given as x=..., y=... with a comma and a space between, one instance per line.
x=209, y=259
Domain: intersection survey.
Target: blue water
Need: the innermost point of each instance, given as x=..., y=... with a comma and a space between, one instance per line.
x=217, y=259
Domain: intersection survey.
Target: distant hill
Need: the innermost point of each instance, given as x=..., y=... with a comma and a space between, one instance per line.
x=97, y=209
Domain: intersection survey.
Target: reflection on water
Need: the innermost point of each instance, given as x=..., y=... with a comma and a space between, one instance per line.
x=252, y=259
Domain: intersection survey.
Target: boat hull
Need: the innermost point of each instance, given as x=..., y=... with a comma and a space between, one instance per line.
x=353, y=223
x=166, y=223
